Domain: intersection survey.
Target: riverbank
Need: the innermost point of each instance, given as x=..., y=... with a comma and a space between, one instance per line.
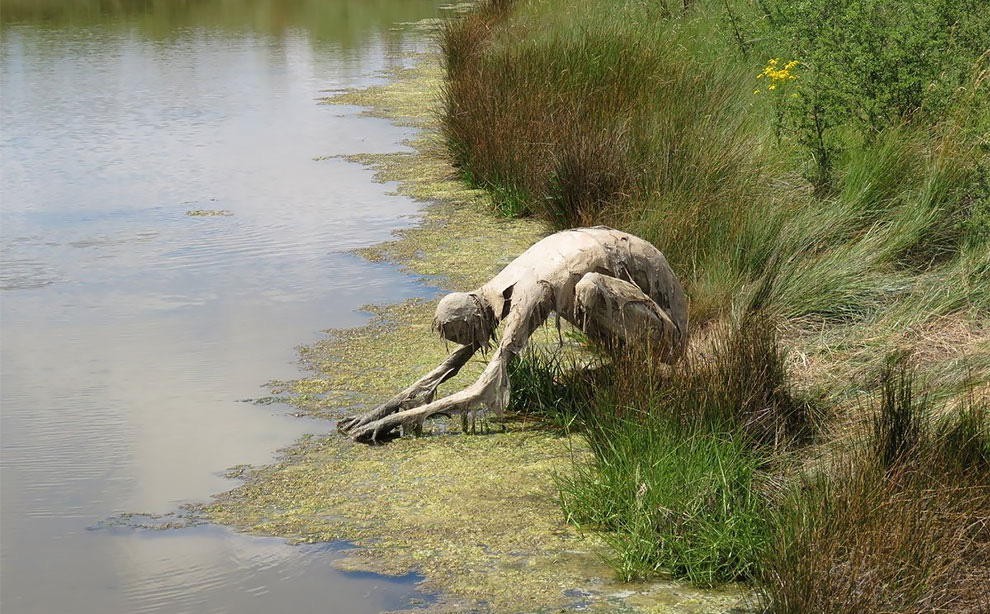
x=477, y=516
x=816, y=174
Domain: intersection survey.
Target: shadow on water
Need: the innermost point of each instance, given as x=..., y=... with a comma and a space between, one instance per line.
x=130, y=328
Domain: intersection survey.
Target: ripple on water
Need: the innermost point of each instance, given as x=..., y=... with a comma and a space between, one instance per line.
x=25, y=273
x=192, y=566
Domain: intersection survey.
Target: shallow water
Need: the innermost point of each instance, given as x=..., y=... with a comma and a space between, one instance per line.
x=130, y=330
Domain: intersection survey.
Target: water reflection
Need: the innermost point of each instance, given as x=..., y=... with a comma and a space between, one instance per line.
x=208, y=569
x=341, y=22
x=129, y=328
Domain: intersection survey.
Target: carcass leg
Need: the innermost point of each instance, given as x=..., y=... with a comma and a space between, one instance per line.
x=419, y=393
x=491, y=391
x=614, y=311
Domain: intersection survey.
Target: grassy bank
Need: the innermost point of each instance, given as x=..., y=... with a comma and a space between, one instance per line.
x=818, y=175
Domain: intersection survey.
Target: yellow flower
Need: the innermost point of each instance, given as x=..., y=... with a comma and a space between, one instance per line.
x=776, y=73
x=756, y=91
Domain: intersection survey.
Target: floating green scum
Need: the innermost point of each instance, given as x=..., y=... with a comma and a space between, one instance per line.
x=476, y=515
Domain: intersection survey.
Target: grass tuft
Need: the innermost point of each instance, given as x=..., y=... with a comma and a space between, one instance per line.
x=901, y=523
x=678, y=479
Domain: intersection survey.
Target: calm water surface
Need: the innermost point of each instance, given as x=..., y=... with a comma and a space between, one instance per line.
x=129, y=330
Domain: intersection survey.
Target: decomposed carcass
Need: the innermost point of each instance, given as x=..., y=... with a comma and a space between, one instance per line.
x=617, y=288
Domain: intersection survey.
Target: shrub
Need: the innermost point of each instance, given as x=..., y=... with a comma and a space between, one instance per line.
x=864, y=66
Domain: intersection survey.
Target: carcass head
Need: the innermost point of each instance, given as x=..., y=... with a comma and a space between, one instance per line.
x=465, y=318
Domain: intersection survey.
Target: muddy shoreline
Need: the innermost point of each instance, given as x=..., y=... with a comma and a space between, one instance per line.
x=476, y=515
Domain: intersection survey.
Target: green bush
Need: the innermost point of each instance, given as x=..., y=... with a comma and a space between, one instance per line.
x=858, y=67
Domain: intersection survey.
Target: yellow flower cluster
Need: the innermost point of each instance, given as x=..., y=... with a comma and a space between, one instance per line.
x=775, y=73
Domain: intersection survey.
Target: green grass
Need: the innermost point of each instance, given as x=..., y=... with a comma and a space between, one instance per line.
x=551, y=387
x=671, y=499
x=682, y=455
x=650, y=124
x=843, y=214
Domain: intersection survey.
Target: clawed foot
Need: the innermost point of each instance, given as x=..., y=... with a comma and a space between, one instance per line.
x=378, y=431
x=387, y=429
x=348, y=425
x=366, y=428
x=373, y=432
x=345, y=425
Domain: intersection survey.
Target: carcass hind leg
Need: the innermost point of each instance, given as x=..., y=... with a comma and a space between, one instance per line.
x=614, y=311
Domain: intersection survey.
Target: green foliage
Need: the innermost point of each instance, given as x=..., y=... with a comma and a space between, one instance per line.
x=570, y=127
x=548, y=386
x=976, y=225
x=864, y=66
x=673, y=500
x=586, y=119
x=678, y=452
x=846, y=189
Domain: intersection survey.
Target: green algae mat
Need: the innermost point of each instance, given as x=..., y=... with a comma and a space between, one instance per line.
x=477, y=515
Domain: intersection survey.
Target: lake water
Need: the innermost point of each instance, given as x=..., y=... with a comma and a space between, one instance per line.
x=129, y=330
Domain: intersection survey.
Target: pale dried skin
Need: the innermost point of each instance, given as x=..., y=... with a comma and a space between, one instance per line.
x=616, y=287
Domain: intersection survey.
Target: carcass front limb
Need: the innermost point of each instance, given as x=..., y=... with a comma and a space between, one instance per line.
x=491, y=390
x=419, y=393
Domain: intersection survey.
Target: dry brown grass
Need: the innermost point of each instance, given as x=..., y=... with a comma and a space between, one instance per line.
x=897, y=521
x=902, y=543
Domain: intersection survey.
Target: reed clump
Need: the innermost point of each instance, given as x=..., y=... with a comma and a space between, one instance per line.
x=900, y=523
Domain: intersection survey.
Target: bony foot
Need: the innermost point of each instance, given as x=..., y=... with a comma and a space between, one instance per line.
x=349, y=424
x=346, y=424
x=370, y=433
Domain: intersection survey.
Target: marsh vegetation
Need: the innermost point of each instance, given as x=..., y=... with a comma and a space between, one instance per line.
x=818, y=174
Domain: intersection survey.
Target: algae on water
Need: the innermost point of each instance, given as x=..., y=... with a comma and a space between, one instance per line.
x=477, y=515
x=209, y=213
